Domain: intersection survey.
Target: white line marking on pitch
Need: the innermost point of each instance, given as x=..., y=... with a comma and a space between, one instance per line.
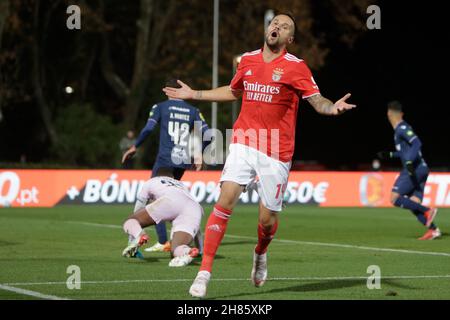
x=324, y=244
x=112, y=226
x=233, y=279
x=30, y=293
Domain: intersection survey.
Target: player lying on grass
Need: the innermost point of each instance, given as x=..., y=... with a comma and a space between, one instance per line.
x=176, y=119
x=409, y=187
x=165, y=199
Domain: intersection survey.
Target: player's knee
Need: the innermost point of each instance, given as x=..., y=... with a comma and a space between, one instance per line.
x=226, y=202
x=415, y=199
x=267, y=226
x=129, y=217
x=267, y=222
x=229, y=195
x=124, y=223
x=394, y=197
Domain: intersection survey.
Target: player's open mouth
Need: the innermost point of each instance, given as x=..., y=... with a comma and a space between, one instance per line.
x=274, y=34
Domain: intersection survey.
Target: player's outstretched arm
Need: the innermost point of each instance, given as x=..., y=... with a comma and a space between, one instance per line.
x=324, y=106
x=221, y=94
x=384, y=155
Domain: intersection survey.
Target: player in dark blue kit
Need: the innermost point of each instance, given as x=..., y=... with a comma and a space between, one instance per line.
x=176, y=119
x=409, y=187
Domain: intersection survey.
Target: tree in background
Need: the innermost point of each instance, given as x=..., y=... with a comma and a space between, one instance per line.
x=118, y=61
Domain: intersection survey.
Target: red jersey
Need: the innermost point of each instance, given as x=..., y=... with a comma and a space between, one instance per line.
x=270, y=97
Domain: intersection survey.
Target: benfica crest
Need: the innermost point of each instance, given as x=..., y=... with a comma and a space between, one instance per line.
x=277, y=73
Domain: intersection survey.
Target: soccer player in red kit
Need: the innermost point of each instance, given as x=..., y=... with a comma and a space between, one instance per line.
x=271, y=82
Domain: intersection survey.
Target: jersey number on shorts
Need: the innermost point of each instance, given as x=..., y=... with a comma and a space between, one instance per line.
x=179, y=133
x=281, y=188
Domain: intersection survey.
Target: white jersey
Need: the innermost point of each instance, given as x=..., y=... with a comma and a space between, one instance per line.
x=167, y=199
x=158, y=187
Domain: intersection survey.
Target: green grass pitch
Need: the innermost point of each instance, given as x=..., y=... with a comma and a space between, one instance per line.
x=318, y=253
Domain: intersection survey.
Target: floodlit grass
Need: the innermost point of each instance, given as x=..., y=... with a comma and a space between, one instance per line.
x=318, y=253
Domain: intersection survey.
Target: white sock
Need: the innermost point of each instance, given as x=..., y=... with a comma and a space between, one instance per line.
x=132, y=227
x=198, y=240
x=181, y=250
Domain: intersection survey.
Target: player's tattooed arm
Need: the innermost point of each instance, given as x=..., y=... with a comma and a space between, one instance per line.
x=321, y=104
x=325, y=106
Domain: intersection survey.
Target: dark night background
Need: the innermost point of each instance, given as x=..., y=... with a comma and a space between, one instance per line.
x=405, y=60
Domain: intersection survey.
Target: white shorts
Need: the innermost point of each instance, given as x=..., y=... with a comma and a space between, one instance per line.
x=249, y=167
x=184, y=213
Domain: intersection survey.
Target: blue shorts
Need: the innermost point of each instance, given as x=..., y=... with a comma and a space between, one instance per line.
x=405, y=185
x=177, y=172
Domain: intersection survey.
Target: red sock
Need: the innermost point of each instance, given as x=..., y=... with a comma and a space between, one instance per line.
x=214, y=232
x=265, y=236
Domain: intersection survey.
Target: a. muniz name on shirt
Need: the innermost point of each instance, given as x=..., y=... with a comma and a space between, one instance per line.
x=179, y=116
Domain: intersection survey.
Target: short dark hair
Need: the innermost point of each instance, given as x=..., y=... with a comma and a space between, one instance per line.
x=291, y=16
x=395, y=106
x=165, y=172
x=172, y=83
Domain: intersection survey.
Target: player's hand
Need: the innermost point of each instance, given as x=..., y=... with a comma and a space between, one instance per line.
x=129, y=154
x=199, y=164
x=184, y=93
x=384, y=155
x=409, y=167
x=341, y=106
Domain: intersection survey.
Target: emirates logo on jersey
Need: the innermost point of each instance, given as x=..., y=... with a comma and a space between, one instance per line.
x=277, y=73
x=260, y=92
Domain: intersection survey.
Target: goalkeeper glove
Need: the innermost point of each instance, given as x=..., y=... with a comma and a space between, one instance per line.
x=384, y=155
